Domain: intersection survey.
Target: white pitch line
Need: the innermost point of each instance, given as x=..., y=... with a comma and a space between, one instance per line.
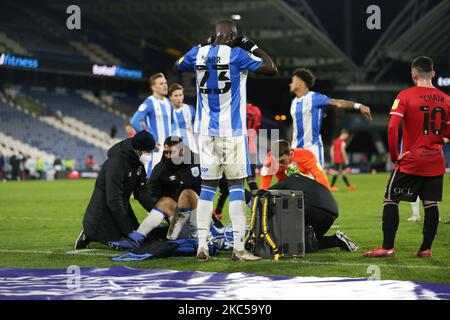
x=90, y=252
x=25, y=251
x=59, y=253
x=38, y=218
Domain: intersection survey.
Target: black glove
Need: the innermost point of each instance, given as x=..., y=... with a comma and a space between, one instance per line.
x=208, y=41
x=244, y=43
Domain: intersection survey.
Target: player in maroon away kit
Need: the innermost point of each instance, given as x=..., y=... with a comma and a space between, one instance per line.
x=420, y=165
x=339, y=159
x=254, y=118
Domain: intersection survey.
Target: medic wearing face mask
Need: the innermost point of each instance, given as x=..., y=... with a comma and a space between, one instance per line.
x=109, y=216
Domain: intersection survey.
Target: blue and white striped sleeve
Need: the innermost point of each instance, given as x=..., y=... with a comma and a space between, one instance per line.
x=192, y=113
x=187, y=62
x=247, y=61
x=321, y=99
x=173, y=119
x=145, y=108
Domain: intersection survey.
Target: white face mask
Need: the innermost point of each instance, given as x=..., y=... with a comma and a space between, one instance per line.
x=145, y=159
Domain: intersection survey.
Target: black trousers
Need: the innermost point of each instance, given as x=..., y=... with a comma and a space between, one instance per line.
x=321, y=221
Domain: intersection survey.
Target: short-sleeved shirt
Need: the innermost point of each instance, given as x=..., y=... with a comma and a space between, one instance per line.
x=184, y=120
x=307, y=113
x=337, y=149
x=254, y=118
x=158, y=117
x=221, y=73
x=426, y=113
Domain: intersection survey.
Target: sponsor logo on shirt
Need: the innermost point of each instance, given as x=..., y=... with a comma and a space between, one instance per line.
x=395, y=105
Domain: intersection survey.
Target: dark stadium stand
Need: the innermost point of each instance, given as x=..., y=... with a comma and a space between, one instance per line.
x=72, y=104
x=129, y=102
x=30, y=130
x=296, y=33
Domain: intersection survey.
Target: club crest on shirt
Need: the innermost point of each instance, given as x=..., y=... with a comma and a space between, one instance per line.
x=195, y=171
x=395, y=104
x=142, y=107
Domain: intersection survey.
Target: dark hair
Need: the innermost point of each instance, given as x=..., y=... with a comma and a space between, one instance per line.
x=155, y=76
x=306, y=75
x=422, y=64
x=173, y=141
x=174, y=87
x=281, y=148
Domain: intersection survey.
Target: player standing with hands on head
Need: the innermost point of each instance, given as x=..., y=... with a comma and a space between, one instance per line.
x=221, y=72
x=307, y=112
x=420, y=166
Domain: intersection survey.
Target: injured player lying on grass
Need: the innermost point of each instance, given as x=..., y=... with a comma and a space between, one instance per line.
x=321, y=211
x=173, y=191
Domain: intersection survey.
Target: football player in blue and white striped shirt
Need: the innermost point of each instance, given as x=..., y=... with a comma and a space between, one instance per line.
x=155, y=115
x=307, y=110
x=221, y=72
x=184, y=117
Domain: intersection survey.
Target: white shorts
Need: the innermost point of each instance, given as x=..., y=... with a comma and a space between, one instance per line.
x=224, y=155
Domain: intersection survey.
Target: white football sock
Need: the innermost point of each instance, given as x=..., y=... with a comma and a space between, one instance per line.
x=193, y=223
x=415, y=207
x=238, y=221
x=204, y=211
x=153, y=220
x=176, y=225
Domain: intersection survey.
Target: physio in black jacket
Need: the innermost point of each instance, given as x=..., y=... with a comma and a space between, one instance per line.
x=109, y=216
x=321, y=210
x=172, y=191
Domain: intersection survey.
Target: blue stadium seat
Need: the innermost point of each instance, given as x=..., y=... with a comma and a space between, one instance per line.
x=73, y=105
x=30, y=130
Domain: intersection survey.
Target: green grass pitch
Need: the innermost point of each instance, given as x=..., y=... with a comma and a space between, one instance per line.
x=40, y=220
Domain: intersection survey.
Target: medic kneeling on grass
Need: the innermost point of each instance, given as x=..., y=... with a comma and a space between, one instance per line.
x=109, y=216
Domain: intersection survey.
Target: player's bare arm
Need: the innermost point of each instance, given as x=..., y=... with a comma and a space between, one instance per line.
x=344, y=104
x=344, y=153
x=267, y=67
x=332, y=154
x=144, y=126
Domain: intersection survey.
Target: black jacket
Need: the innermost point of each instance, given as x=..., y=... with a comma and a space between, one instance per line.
x=109, y=215
x=169, y=180
x=315, y=194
